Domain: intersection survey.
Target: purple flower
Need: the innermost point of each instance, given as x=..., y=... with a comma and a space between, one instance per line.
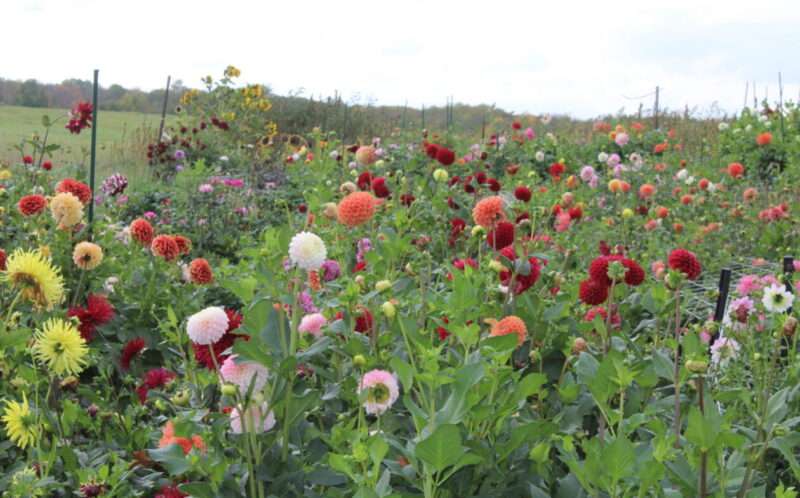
x=179, y=167
x=306, y=302
x=114, y=185
x=330, y=270
x=150, y=215
x=234, y=182
x=205, y=188
x=180, y=155
x=364, y=246
x=530, y=134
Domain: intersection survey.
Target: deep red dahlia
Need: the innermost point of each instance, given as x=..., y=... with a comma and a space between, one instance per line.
x=593, y=292
x=635, y=274
x=30, y=205
x=130, y=351
x=521, y=283
x=98, y=311
x=685, y=262
x=170, y=492
x=364, y=181
x=445, y=156
x=364, y=322
x=522, y=193
x=431, y=150
x=557, y=169
x=501, y=236
x=76, y=188
x=379, y=187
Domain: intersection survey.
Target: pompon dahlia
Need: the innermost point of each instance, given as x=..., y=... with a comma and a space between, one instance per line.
x=330, y=270
x=87, y=255
x=142, y=231
x=380, y=391
x=243, y=374
x=31, y=205
x=522, y=193
x=356, y=209
x=184, y=244
x=593, y=292
x=521, y=282
x=200, y=272
x=685, y=262
x=598, y=268
x=379, y=188
x=510, y=325
x=364, y=181
x=66, y=209
x=635, y=273
x=501, y=236
x=131, y=350
x=366, y=155
x=364, y=321
x=307, y=251
x=165, y=246
x=488, y=211
x=76, y=188
x=445, y=156
x=202, y=353
x=312, y=324
x=431, y=150
x=98, y=312
x=207, y=326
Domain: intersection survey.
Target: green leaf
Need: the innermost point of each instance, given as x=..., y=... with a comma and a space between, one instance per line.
x=171, y=458
x=404, y=372
x=529, y=385
x=786, y=445
x=441, y=449
x=198, y=489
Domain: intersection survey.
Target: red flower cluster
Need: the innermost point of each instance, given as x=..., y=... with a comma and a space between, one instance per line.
x=445, y=156
x=166, y=247
x=131, y=350
x=685, y=262
x=32, y=204
x=80, y=118
x=154, y=379
x=170, y=492
x=595, y=289
x=203, y=354
x=774, y=213
x=379, y=187
x=502, y=236
x=76, y=188
x=557, y=169
x=520, y=282
x=98, y=312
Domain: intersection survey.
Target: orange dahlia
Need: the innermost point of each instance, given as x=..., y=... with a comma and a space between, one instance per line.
x=142, y=231
x=200, y=272
x=184, y=244
x=165, y=246
x=488, y=211
x=356, y=209
x=510, y=325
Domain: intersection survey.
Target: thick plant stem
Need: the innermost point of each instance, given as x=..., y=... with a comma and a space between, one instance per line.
x=703, y=484
x=677, y=368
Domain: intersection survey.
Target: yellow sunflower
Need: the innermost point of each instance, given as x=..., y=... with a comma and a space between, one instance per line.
x=67, y=210
x=34, y=274
x=60, y=346
x=20, y=424
x=87, y=255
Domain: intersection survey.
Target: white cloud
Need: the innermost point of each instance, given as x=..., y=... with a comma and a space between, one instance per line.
x=579, y=57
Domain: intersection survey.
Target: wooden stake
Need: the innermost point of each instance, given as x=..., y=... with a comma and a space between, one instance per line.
x=164, y=110
x=93, y=157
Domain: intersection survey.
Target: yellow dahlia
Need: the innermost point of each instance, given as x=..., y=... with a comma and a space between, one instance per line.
x=20, y=424
x=60, y=346
x=35, y=276
x=87, y=255
x=67, y=210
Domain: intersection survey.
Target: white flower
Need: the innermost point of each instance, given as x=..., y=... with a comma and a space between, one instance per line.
x=185, y=274
x=682, y=174
x=689, y=180
x=224, y=159
x=763, y=118
x=243, y=373
x=546, y=119
x=712, y=187
x=539, y=156
x=602, y=157
x=748, y=128
x=109, y=284
x=256, y=419
x=723, y=126
x=207, y=326
x=777, y=299
x=768, y=124
x=307, y=251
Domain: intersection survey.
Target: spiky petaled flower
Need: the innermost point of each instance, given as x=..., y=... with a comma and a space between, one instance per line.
x=32, y=273
x=20, y=424
x=66, y=209
x=60, y=347
x=87, y=255
x=777, y=299
x=114, y=185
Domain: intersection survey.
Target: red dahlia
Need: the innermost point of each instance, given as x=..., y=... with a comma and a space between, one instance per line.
x=98, y=311
x=501, y=236
x=76, y=188
x=203, y=354
x=379, y=187
x=445, y=156
x=32, y=204
x=522, y=193
x=130, y=351
x=593, y=292
x=685, y=262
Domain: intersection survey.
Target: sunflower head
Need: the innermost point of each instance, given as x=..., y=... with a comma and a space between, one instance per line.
x=60, y=347
x=21, y=425
x=87, y=255
x=34, y=275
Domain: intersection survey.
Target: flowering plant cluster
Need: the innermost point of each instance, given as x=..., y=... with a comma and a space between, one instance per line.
x=428, y=317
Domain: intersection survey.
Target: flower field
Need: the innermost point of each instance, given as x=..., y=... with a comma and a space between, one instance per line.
x=422, y=314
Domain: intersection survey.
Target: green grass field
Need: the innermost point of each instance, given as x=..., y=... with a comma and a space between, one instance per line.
x=122, y=138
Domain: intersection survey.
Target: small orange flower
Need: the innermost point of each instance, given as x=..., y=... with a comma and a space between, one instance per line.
x=763, y=139
x=200, y=271
x=510, y=325
x=141, y=231
x=184, y=244
x=165, y=246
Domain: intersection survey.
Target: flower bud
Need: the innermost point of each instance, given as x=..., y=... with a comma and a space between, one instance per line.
x=579, y=345
x=229, y=390
x=359, y=360
x=329, y=210
x=696, y=366
x=789, y=326
x=496, y=266
x=388, y=309
x=383, y=285
x=440, y=175
x=477, y=230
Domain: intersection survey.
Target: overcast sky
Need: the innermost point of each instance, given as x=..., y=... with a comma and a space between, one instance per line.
x=581, y=57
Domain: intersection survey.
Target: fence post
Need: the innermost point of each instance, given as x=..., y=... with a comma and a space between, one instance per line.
x=722, y=297
x=164, y=109
x=93, y=157
x=655, y=110
x=788, y=272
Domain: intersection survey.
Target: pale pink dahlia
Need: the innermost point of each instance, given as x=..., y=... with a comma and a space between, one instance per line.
x=379, y=390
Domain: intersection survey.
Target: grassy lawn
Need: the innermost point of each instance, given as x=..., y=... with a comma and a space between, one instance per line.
x=121, y=139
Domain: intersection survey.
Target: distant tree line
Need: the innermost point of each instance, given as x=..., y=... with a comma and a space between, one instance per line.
x=32, y=93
